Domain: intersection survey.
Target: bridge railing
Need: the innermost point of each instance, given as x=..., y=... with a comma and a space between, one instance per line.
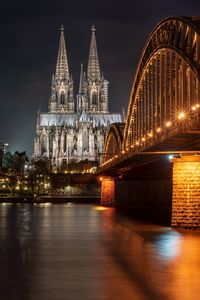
x=186, y=122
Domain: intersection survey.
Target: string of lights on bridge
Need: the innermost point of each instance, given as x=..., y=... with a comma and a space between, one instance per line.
x=180, y=116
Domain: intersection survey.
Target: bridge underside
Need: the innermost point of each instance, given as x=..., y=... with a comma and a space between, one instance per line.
x=171, y=143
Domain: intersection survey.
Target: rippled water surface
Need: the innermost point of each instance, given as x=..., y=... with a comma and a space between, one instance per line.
x=72, y=252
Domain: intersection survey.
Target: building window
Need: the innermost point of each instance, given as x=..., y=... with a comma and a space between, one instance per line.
x=62, y=98
x=94, y=98
x=85, y=140
x=44, y=145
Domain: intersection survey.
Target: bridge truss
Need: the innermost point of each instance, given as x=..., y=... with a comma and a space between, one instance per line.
x=165, y=97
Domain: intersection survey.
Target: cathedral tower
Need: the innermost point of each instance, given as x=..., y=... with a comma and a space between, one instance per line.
x=94, y=88
x=65, y=134
x=61, y=99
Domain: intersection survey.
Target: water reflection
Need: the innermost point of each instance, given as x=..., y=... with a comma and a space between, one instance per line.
x=15, y=256
x=83, y=252
x=162, y=263
x=168, y=245
x=24, y=234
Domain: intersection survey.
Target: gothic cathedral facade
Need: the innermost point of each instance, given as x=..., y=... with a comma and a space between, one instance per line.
x=75, y=130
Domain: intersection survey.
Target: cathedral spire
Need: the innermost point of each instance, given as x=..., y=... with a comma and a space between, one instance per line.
x=82, y=103
x=81, y=80
x=62, y=69
x=93, y=71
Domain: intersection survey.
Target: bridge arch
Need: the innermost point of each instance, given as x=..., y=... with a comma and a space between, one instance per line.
x=166, y=87
x=113, y=141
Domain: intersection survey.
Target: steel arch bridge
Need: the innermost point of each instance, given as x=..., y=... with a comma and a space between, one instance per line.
x=165, y=97
x=113, y=141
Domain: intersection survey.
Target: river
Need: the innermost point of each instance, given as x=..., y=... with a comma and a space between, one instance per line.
x=85, y=252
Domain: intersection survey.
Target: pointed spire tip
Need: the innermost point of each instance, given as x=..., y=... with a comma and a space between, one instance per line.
x=62, y=28
x=93, y=28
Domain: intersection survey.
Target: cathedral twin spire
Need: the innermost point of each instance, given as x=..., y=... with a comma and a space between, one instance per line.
x=93, y=88
x=61, y=99
x=62, y=69
x=93, y=71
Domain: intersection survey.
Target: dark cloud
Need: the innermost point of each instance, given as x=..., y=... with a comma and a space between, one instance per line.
x=29, y=40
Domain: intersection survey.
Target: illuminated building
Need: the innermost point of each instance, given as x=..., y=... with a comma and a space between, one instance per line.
x=72, y=131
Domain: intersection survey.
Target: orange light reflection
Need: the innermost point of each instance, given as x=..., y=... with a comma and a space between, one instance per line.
x=101, y=208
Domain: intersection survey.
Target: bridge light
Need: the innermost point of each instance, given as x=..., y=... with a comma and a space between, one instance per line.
x=170, y=157
x=123, y=151
x=143, y=139
x=100, y=178
x=150, y=134
x=181, y=115
x=168, y=124
x=194, y=108
x=197, y=105
x=158, y=129
x=137, y=143
x=116, y=156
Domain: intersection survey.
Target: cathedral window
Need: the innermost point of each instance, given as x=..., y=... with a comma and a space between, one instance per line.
x=85, y=140
x=44, y=145
x=94, y=98
x=62, y=98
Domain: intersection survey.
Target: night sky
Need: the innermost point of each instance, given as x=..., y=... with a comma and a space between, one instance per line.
x=29, y=32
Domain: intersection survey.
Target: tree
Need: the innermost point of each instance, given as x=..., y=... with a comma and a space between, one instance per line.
x=14, y=163
x=18, y=161
x=7, y=161
x=39, y=176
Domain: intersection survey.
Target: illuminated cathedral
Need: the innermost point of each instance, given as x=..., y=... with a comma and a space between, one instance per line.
x=73, y=129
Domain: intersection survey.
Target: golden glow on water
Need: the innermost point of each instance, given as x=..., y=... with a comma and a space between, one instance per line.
x=101, y=208
x=159, y=260
x=94, y=253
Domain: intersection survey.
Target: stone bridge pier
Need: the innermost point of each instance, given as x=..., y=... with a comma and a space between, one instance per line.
x=186, y=192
